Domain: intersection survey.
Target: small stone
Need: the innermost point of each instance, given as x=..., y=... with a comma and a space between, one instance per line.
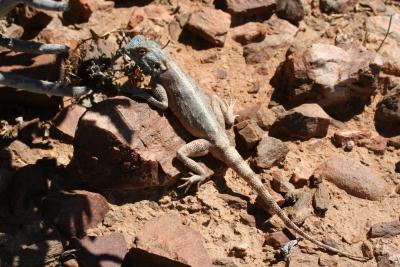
x=397, y=168
x=249, y=8
x=303, y=122
x=387, y=255
x=301, y=174
x=20, y=155
x=249, y=134
x=302, y=208
x=255, y=87
x=353, y=177
x=70, y=263
x=239, y=251
x=327, y=261
x=250, y=32
x=73, y=212
x=280, y=184
x=340, y=138
x=376, y=144
x=224, y=263
x=367, y=249
x=337, y=6
x=385, y=229
x=66, y=121
x=292, y=10
x=91, y=248
x=211, y=24
x=80, y=10
x=321, y=199
x=276, y=239
x=247, y=219
x=222, y=74
x=394, y=141
x=165, y=241
x=233, y=201
x=270, y=152
x=376, y=6
x=387, y=116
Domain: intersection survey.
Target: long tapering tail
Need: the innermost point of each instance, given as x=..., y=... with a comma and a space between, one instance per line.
x=234, y=160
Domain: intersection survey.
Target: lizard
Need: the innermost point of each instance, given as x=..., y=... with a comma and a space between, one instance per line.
x=171, y=88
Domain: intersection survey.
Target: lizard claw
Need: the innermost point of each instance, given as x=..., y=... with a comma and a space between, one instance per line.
x=230, y=112
x=189, y=181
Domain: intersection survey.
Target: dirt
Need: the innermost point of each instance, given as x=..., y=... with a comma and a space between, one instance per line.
x=348, y=218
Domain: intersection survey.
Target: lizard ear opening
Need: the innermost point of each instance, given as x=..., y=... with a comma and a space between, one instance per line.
x=141, y=51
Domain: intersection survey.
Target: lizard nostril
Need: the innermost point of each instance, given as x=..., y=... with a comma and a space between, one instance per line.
x=156, y=65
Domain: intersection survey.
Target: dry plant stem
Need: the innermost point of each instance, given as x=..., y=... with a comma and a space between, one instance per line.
x=387, y=33
x=7, y=5
x=41, y=87
x=32, y=47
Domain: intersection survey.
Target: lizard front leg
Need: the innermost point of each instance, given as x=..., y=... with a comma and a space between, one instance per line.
x=223, y=111
x=196, y=148
x=159, y=98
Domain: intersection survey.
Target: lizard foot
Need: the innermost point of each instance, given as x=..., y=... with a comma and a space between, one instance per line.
x=194, y=179
x=230, y=112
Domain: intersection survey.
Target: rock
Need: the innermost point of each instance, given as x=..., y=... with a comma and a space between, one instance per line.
x=387, y=116
x=224, y=263
x=397, y=169
x=165, y=241
x=39, y=253
x=394, y=141
x=66, y=121
x=240, y=9
x=291, y=10
x=70, y=263
x=385, y=229
x=327, y=261
x=43, y=67
x=211, y=24
x=157, y=14
x=52, y=35
x=248, y=219
x=321, y=199
x=367, y=249
x=303, y=122
x=233, y=201
x=278, y=198
x=337, y=6
x=298, y=259
x=249, y=33
x=341, y=138
x=75, y=211
x=353, y=177
x=376, y=144
x=239, y=251
x=19, y=155
x=376, y=6
x=276, y=239
x=261, y=114
x=122, y=144
x=14, y=31
x=249, y=134
x=387, y=255
x=80, y=11
x=377, y=28
x=280, y=184
x=279, y=35
x=389, y=54
x=270, y=152
x=328, y=75
x=302, y=208
x=301, y=174
x=103, y=251
x=32, y=19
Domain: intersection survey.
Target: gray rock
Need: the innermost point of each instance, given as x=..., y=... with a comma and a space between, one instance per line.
x=270, y=152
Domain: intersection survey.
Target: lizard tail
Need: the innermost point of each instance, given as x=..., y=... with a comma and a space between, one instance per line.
x=235, y=161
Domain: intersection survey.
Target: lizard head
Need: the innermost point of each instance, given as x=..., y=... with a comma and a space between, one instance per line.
x=147, y=54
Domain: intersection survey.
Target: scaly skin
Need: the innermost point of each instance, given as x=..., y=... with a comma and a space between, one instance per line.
x=172, y=88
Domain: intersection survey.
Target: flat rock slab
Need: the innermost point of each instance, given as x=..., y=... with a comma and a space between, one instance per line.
x=66, y=121
x=165, y=241
x=353, y=177
x=123, y=144
x=101, y=251
x=385, y=229
x=73, y=212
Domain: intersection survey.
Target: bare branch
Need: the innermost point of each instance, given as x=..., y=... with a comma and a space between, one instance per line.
x=41, y=87
x=32, y=47
x=387, y=33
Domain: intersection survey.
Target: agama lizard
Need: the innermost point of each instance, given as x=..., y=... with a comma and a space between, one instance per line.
x=172, y=88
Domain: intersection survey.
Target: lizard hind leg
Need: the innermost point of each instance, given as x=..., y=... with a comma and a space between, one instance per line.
x=196, y=148
x=223, y=111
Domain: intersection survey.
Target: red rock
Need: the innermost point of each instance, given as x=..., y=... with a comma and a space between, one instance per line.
x=165, y=241
x=301, y=174
x=385, y=229
x=241, y=9
x=53, y=35
x=280, y=184
x=261, y=114
x=276, y=196
x=122, y=144
x=353, y=177
x=376, y=6
x=80, y=10
x=70, y=263
x=340, y=138
x=66, y=121
x=20, y=155
x=329, y=75
x=211, y=24
x=387, y=116
x=249, y=33
x=321, y=199
x=276, y=239
x=270, y=152
x=377, y=144
x=249, y=134
x=73, y=212
x=157, y=14
x=279, y=35
x=292, y=10
x=337, y=6
x=91, y=250
x=303, y=122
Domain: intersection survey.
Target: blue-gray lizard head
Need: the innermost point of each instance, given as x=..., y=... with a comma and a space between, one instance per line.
x=147, y=54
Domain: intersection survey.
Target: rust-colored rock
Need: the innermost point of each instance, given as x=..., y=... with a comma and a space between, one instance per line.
x=249, y=134
x=301, y=174
x=211, y=24
x=276, y=239
x=270, y=152
x=249, y=33
x=102, y=251
x=66, y=121
x=242, y=9
x=165, y=241
x=353, y=177
x=387, y=116
x=80, y=10
x=73, y=212
x=123, y=144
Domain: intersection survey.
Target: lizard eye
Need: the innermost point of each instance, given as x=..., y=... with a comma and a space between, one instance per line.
x=142, y=51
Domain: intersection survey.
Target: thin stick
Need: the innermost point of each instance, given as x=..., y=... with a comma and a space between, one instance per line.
x=32, y=47
x=41, y=87
x=387, y=33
